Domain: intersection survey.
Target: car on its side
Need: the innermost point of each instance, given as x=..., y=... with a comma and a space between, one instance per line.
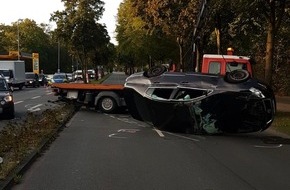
x=6, y=99
x=31, y=79
x=59, y=78
x=199, y=102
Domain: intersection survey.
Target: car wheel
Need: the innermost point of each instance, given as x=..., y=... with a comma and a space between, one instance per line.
x=107, y=105
x=155, y=71
x=9, y=112
x=237, y=76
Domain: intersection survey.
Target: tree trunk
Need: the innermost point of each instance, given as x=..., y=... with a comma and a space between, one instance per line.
x=180, y=66
x=181, y=57
x=269, y=54
x=218, y=40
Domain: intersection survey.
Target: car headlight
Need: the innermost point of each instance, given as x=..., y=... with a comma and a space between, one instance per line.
x=6, y=99
x=257, y=92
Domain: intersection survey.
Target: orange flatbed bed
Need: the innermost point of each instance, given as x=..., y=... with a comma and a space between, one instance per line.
x=82, y=86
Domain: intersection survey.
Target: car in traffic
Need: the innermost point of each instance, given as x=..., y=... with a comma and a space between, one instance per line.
x=200, y=103
x=49, y=78
x=42, y=80
x=69, y=77
x=6, y=99
x=59, y=78
x=31, y=79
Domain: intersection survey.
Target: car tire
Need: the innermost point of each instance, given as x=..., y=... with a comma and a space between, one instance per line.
x=107, y=105
x=237, y=76
x=155, y=71
x=9, y=112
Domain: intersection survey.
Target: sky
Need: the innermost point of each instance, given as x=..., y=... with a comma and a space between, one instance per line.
x=40, y=10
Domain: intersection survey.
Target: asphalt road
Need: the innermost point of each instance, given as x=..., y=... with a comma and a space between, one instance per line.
x=100, y=151
x=30, y=100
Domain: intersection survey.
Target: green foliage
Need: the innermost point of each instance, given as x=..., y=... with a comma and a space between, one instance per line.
x=138, y=47
x=33, y=38
x=85, y=38
x=282, y=122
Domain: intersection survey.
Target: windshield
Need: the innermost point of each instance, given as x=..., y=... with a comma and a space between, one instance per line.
x=231, y=66
x=3, y=85
x=5, y=73
x=30, y=75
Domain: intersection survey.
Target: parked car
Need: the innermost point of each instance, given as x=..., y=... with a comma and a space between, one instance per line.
x=6, y=99
x=201, y=103
x=31, y=79
x=59, y=78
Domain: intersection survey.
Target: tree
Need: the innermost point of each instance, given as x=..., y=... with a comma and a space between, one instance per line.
x=138, y=48
x=176, y=19
x=32, y=39
x=267, y=16
x=77, y=26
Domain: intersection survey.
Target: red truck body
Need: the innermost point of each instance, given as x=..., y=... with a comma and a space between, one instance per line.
x=221, y=64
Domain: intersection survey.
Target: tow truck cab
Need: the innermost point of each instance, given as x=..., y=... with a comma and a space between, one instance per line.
x=222, y=64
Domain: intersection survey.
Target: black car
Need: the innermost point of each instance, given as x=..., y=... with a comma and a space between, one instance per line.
x=6, y=99
x=42, y=80
x=198, y=103
x=31, y=79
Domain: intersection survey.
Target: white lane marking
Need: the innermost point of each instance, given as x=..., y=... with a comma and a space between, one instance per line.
x=34, y=108
x=274, y=146
x=159, y=132
x=37, y=109
x=180, y=136
x=18, y=102
x=35, y=97
x=114, y=136
x=128, y=130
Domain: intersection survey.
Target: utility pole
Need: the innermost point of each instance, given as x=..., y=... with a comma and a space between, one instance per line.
x=58, y=56
x=18, y=38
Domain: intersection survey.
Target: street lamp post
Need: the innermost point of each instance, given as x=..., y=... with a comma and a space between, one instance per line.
x=18, y=38
x=58, y=56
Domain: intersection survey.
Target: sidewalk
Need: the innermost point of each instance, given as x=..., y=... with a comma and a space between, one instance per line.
x=283, y=103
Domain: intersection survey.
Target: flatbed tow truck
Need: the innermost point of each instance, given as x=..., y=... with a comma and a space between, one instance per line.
x=107, y=98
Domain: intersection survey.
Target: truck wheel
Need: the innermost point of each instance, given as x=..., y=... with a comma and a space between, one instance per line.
x=237, y=76
x=107, y=105
x=155, y=71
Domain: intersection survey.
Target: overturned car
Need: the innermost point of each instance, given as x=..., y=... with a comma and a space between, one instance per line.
x=200, y=103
